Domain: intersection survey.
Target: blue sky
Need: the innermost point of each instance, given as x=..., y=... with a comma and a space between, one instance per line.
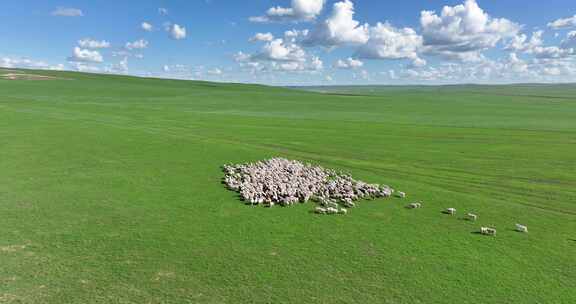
x=287, y=42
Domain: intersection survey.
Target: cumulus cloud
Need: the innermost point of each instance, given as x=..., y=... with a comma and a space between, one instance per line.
x=280, y=54
x=551, y=52
x=299, y=10
x=118, y=68
x=388, y=42
x=146, y=26
x=516, y=64
x=509, y=69
x=462, y=29
x=570, y=41
x=279, y=50
x=85, y=55
x=88, y=43
x=563, y=23
x=138, y=44
x=521, y=42
x=535, y=47
x=457, y=35
x=315, y=64
x=339, y=28
x=177, y=32
x=348, y=63
x=262, y=37
x=67, y=12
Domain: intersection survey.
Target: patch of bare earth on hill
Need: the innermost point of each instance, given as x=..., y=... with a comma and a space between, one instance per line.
x=18, y=76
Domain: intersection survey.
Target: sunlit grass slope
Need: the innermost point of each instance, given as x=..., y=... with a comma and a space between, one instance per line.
x=110, y=193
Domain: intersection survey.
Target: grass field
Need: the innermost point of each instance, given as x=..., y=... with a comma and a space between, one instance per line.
x=110, y=193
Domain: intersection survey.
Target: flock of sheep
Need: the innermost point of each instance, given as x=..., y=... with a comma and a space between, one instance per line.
x=286, y=182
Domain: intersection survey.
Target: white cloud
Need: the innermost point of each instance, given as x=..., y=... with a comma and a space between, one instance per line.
x=83, y=67
x=146, y=26
x=535, y=47
x=363, y=75
x=570, y=41
x=262, y=37
x=520, y=42
x=214, y=72
x=177, y=32
x=551, y=52
x=417, y=63
x=67, y=12
x=176, y=68
x=339, y=28
x=281, y=54
x=280, y=50
x=453, y=41
x=511, y=69
x=88, y=43
x=348, y=63
x=461, y=29
x=138, y=44
x=123, y=65
x=315, y=64
x=569, y=22
x=85, y=55
x=10, y=62
x=300, y=10
x=119, y=68
x=388, y=42
x=516, y=64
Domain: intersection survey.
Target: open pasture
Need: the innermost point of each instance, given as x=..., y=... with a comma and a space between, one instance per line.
x=110, y=192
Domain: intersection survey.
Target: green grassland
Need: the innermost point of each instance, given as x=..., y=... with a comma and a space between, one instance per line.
x=110, y=193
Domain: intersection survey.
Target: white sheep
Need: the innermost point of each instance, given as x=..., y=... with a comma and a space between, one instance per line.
x=521, y=228
x=415, y=205
x=451, y=211
x=331, y=210
x=332, y=204
x=401, y=194
x=488, y=231
x=343, y=211
x=472, y=217
x=320, y=210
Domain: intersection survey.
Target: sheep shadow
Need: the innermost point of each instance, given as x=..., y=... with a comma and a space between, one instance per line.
x=467, y=219
x=482, y=234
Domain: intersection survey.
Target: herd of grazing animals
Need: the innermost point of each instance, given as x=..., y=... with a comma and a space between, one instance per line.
x=286, y=182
